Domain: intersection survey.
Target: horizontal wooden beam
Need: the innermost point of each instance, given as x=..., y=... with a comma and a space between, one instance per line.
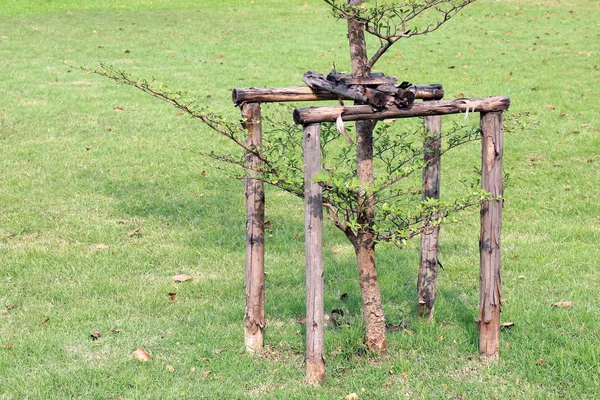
x=305, y=93
x=311, y=115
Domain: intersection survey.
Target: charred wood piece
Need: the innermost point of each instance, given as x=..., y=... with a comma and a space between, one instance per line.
x=384, y=94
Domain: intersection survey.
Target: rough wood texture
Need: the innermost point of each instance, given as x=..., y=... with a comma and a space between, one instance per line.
x=379, y=97
x=374, y=79
x=305, y=93
x=313, y=115
x=489, y=243
x=254, y=318
x=428, y=267
x=313, y=222
x=364, y=243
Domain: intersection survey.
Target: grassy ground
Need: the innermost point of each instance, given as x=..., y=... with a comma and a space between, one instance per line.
x=84, y=162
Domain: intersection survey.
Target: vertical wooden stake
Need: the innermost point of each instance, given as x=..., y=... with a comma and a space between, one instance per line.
x=490, y=278
x=428, y=267
x=254, y=318
x=313, y=224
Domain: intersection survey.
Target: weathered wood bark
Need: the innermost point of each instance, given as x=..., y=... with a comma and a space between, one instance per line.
x=305, y=93
x=374, y=79
x=313, y=115
x=313, y=223
x=489, y=243
x=374, y=318
x=379, y=96
x=254, y=318
x=428, y=267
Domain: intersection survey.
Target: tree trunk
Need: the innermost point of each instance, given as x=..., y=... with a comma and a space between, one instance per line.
x=428, y=268
x=364, y=243
x=373, y=315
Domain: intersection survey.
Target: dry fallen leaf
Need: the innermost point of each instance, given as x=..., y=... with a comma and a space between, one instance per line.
x=562, y=304
x=96, y=335
x=141, y=355
x=507, y=325
x=173, y=295
x=206, y=373
x=181, y=278
x=101, y=246
x=541, y=361
x=352, y=396
x=45, y=320
x=192, y=370
x=170, y=368
x=134, y=232
x=302, y=320
x=115, y=330
x=118, y=109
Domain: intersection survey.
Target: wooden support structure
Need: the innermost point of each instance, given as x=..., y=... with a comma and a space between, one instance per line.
x=313, y=225
x=490, y=108
x=490, y=277
x=428, y=266
x=311, y=115
x=369, y=92
x=305, y=93
x=254, y=318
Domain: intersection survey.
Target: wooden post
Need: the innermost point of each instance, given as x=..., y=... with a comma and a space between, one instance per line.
x=489, y=243
x=254, y=318
x=313, y=223
x=428, y=267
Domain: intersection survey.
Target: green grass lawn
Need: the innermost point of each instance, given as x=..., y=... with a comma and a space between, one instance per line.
x=84, y=162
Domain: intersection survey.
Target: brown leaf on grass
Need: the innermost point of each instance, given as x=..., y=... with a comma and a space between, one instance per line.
x=541, y=361
x=44, y=321
x=192, y=370
x=181, y=278
x=170, y=368
x=218, y=351
x=101, y=246
x=96, y=335
x=302, y=320
x=173, y=295
x=352, y=396
x=115, y=330
x=206, y=373
x=141, y=355
x=10, y=306
x=9, y=347
x=507, y=325
x=562, y=304
x=134, y=232
x=118, y=109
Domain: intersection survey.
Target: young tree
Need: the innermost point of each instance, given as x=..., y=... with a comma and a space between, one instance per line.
x=388, y=21
x=366, y=208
